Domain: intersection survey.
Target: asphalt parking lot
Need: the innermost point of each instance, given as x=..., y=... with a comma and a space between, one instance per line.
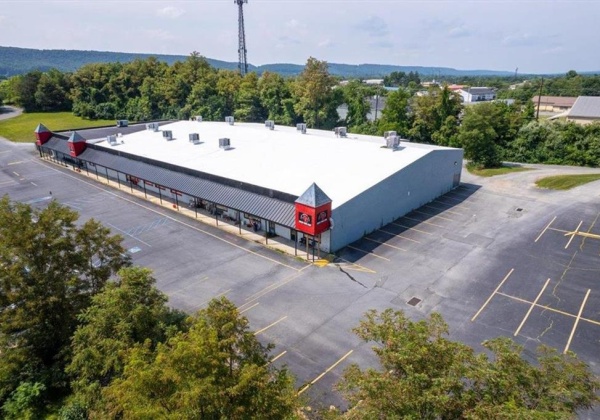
x=491, y=260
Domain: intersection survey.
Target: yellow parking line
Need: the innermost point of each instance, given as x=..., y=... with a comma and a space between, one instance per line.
x=493, y=293
x=545, y=229
x=250, y=307
x=367, y=252
x=270, y=325
x=573, y=234
x=278, y=356
x=329, y=369
x=444, y=210
x=422, y=221
x=411, y=228
x=274, y=286
x=353, y=265
x=531, y=307
x=576, y=322
x=398, y=235
x=383, y=243
x=434, y=215
x=549, y=308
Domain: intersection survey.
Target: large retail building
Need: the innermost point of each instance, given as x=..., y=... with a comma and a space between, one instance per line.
x=330, y=187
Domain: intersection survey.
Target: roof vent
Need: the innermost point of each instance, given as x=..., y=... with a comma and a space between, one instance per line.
x=152, y=126
x=229, y=120
x=168, y=134
x=392, y=142
x=122, y=123
x=224, y=143
x=112, y=140
x=301, y=127
x=270, y=124
x=340, y=131
x=198, y=118
x=389, y=134
x=195, y=138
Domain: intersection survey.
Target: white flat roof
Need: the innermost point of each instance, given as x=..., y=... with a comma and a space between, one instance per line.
x=282, y=159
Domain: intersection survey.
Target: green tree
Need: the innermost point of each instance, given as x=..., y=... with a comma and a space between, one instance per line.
x=215, y=370
x=394, y=116
x=49, y=274
x=431, y=112
x=249, y=107
x=273, y=93
x=424, y=375
x=478, y=137
x=25, y=88
x=316, y=100
x=354, y=96
x=52, y=93
x=129, y=310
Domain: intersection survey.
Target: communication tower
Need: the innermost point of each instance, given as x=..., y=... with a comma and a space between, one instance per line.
x=242, y=63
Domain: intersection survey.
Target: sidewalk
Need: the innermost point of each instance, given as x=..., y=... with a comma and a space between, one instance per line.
x=279, y=244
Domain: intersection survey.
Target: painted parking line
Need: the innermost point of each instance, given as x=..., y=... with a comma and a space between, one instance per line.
x=423, y=221
x=531, y=307
x=398, y=235
x=8, y=182
x=347, y=265
x=214, y=297
x=270, y=325
x=367, y=252
x=329, y=369
x=278, y=356
x=444, y=210
x=383, y=243
x=492, y=295
x=273, y=286
x=549, y=308
x=576, y=321
x=573, y=234
x=545, y=229
x=434, y=215
x=250, y=307
x=453, y=205
x=122, y=231
x=411, y=228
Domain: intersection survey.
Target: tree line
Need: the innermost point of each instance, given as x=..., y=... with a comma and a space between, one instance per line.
x=86, y=335
x=149, y=89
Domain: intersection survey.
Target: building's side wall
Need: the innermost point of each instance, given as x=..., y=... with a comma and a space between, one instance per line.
x=583, y=121
x=408, y=189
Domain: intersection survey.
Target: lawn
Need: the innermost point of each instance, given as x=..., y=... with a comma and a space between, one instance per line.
x=495, y=171
x=566, y=182
x=20, y=129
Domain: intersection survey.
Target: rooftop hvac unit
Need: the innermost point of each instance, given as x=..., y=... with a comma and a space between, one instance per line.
x=194, y=137
x=270, y=124
x=229, y=120
x=301, y=127
x=112, y=140
x=168, y=134
x=152, y=126
x=198, y=118
x=224, y=143
x=389, y=134
x=122, y=123
x=340, y=131
x=392, y=142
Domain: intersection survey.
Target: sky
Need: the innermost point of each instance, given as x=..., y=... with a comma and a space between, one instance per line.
x=533, y=36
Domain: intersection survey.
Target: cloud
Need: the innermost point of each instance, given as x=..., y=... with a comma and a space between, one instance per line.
x=521, y=40
x=374, y=26
x=170, y=12
x=288, y=40
x=293, y=24
x=459, y=31
x=382, y=44
x=324, y=43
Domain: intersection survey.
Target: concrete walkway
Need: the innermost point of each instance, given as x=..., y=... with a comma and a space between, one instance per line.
x=7, y=112
x=278, y=243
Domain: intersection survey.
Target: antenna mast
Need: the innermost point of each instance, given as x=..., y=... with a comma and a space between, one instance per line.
x=242, y=63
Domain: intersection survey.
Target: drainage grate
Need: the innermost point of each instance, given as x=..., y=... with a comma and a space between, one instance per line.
x=414, y=301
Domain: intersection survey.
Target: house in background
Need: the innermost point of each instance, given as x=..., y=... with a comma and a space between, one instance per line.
x=477, y=94
x=553, y=103
x=586, y=110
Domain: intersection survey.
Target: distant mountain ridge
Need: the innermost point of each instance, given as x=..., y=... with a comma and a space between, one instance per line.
x=15, y=61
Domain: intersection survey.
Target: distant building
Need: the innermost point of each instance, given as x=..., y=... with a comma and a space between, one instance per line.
x=373, y=82
x=455, y=88
x=477, y=94
x=586, y=110
x=553, y=103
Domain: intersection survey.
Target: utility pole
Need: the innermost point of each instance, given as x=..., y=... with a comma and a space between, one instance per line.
x=242, y=63
x=537, y=116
